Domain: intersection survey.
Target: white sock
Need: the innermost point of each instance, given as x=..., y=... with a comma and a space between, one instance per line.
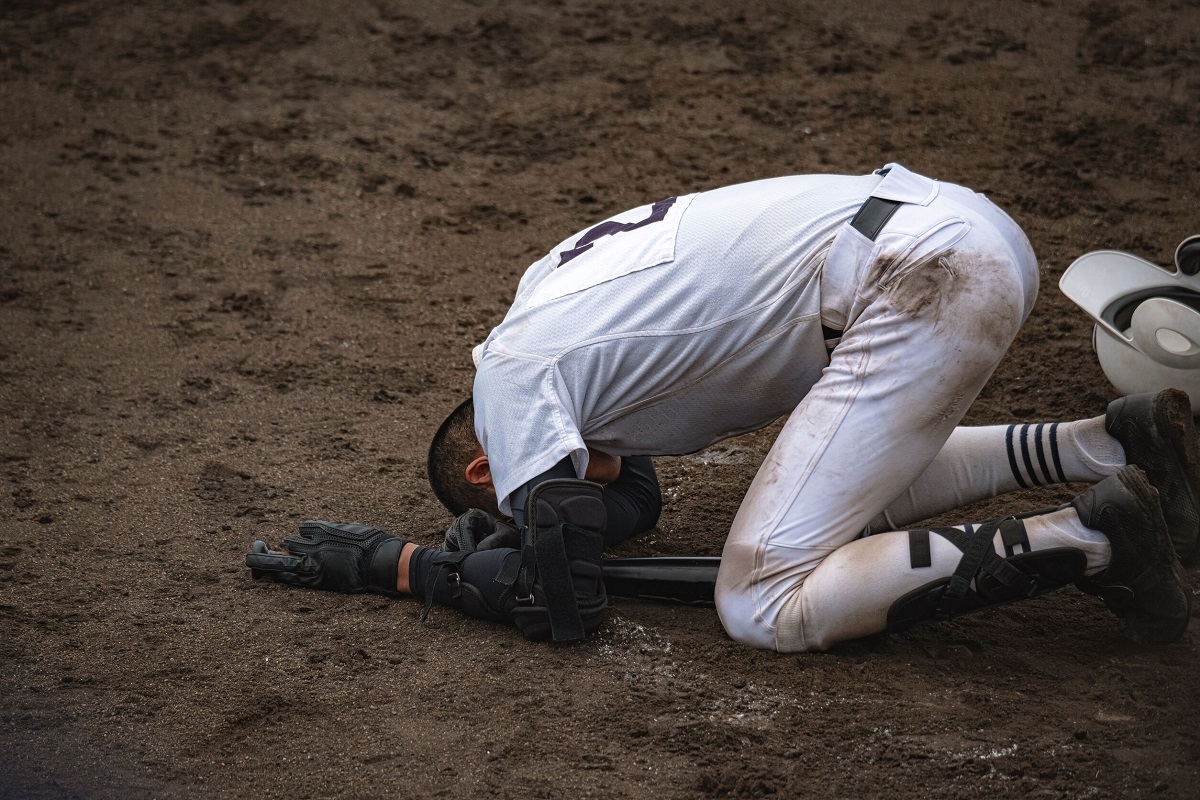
x=977, y=463
x=1091, y=450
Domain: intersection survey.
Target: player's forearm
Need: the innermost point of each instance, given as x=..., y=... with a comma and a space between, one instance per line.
x=633, y=501
x=632, y=504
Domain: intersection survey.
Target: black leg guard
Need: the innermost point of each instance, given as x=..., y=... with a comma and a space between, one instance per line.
x=551, y=588
x=982, y=578
x=564, y=542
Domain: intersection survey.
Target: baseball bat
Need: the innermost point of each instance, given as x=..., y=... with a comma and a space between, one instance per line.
x=681, y=579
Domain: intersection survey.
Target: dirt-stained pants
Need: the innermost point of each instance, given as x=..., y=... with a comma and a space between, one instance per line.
x=941, y=293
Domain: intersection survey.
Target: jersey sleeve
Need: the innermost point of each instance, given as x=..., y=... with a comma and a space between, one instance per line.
x=521, y=424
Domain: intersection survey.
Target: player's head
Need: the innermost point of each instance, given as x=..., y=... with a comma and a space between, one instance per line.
x=454, y=449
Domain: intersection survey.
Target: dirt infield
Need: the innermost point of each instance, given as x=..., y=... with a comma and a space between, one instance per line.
x=245, y=249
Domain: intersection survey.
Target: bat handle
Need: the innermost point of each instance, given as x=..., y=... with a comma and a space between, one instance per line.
x=681, y=579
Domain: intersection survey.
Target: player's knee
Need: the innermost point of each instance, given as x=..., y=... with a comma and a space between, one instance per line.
x=742, y=625
x=736, y=599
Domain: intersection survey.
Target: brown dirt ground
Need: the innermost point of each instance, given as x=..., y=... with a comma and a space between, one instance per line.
x=245, y=249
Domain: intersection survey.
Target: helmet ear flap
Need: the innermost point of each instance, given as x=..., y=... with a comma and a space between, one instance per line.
x=1187, y=255
x=1167, y=331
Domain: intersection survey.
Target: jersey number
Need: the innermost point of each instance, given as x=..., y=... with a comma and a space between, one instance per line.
x=658, y=213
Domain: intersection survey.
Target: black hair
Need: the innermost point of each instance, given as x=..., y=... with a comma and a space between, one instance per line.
x=452, y=449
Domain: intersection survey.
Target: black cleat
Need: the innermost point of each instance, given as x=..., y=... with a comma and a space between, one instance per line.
x=1159, y=436
x=1144, y=582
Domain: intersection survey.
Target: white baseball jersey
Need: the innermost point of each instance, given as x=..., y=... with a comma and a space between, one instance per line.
x=673, y=325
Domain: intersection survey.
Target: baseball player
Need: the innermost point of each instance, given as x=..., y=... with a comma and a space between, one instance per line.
x=872, y=309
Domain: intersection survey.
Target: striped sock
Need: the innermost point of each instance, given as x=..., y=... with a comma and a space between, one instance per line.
x=982, y=462
x=1033, y=454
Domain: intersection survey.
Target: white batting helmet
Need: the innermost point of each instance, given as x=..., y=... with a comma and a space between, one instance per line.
x=1147, y=334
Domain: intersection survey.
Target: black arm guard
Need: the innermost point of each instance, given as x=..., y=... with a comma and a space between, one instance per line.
x=564, y=534
x=551, y=587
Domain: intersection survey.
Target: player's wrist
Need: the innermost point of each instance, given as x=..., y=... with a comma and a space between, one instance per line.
x=403, y=583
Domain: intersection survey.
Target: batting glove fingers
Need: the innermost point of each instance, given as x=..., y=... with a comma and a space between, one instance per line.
x=339, y=557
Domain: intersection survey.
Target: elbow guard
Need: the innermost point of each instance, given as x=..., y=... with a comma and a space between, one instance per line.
x=550, y=587
x=563, y=543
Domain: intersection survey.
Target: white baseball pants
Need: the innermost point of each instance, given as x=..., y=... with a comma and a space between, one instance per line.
x=937, y=299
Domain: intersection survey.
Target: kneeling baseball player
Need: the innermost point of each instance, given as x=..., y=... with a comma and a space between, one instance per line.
x=871, y=309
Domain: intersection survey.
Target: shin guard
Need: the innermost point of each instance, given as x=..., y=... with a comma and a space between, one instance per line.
x=983, y=579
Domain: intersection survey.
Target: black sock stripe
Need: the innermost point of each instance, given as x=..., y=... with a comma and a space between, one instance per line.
x=1025, y=455
x=1012, y=457
x=1062, y=477
x=1041, y=453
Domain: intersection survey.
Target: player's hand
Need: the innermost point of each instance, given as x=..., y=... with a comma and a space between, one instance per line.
x=340, y=557
x=478, y=530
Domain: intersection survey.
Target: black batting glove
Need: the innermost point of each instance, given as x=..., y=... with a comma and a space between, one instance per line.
x=340, y=557
x=479, y=530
